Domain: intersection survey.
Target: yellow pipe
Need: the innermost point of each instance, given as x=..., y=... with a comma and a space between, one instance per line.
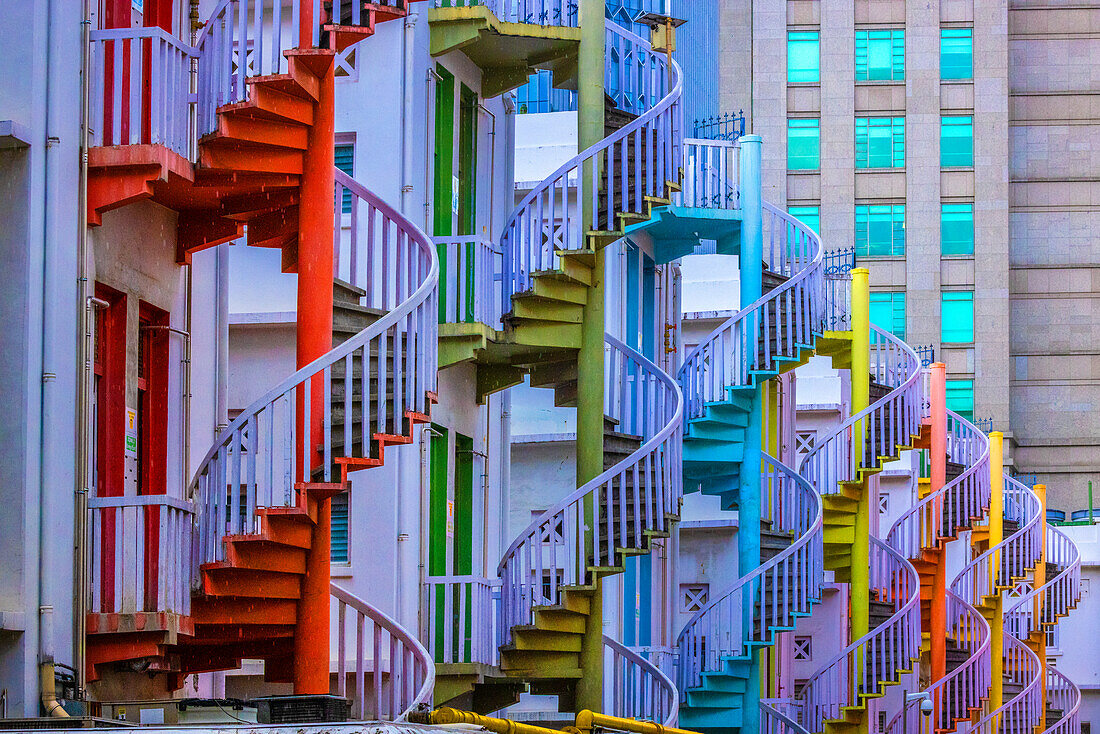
x=859, y=587
x=447, y=715
x=48, y=686
x=588, y=720
x=996, y=535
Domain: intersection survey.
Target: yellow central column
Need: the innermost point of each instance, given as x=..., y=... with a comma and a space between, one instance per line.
x=996, y=535
x=860, y=582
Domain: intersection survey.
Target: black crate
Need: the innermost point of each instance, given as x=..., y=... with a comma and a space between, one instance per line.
x=316, y=709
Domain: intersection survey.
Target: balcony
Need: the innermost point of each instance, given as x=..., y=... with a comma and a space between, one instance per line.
x=509, y=39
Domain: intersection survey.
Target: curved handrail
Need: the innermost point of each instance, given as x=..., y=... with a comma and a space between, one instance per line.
x=265, y=452
x=876, y=658
x=409, y=660
x=647, y=402
x=731, y=354
x=893, y=420
x=1001, y=564
x=545, y=222
x=941, y=514
x=726, y=625
x=1064, y=695
x=640, y=690
x=1054, y=598
x=962, y=690
x=1021, y=713
x=775, y=721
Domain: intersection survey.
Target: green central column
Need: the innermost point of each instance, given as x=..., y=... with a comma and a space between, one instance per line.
x=590, y=382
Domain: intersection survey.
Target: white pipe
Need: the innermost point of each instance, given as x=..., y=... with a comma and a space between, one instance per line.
x=85, y=335
x=221, y=352
x=408, y=102
x=425, y=485
x=505, y=471
x=492, y=162
x=429, y=142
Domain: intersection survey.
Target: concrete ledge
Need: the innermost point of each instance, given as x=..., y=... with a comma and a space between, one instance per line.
x=14, y=136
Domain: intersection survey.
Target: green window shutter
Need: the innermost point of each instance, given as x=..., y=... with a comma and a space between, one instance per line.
x=338, y=549
x=345, y=161
x=956, y=141
x=880, y=230
x=957, y=53
x=880, y=142
x=957, y=317
x=803, y=145
x=960, y=397
x=803, y=56
x=888, y=312
x=880, y=55
x=957, y=229
x=808, y=215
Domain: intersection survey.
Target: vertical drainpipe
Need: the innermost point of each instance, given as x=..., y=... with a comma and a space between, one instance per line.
x=590, y=367
x=748, y=516
x=1039, y=638
x=996, y=535
x=938, y=460
x=859, y=587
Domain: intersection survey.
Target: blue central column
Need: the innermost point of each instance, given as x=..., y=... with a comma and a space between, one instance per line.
x=748, y=531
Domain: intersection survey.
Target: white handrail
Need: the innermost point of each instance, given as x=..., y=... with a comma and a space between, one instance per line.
x=640, y=690
x=409, y=662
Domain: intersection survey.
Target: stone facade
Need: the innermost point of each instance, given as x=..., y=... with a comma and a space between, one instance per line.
x=1035, y=274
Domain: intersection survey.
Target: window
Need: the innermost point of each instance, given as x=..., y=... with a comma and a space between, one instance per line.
x=880, y=55
x=956, y=141
x=803, y=648
x=803, y=145
x=345, y=161
x=338, y=547
x=803, y=56
x=960, y=397
x=804, y=441
x=883, y=503
x=957, y=229
x=880, y=230
x=880, y=142
x=808, y=215
x=957, y=53
x=888, y=312
x=957, y=317
x=694, y=596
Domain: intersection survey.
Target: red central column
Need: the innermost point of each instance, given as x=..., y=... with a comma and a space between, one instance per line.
x=314, y=339
x=938, y=456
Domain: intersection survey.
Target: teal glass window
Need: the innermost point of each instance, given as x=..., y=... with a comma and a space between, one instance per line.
x=880, y=55
x=880, y=142
x=803, y=144
x=880, y=230
x=338, y=547
x=888, y=312
x=957, y=317
x=960, y=397
x=956, y=141
x=957, y=229
x=345, y=161
x=957, y=53
x=803, y=56
x=808, y=215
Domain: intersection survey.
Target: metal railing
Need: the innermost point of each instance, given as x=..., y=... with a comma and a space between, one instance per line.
x=772, y=596
x=141, y=554
x=267, y=450
x=711, y=174
x=613, y=511
x=469, y=269
x=538, y=12
x=615, y=175
x=639, y=689
x=145, y=97
x=459, y=615
x=402, y=673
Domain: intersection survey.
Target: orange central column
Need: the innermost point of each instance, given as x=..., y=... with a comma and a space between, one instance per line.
x=314, y=339
x=938, y=451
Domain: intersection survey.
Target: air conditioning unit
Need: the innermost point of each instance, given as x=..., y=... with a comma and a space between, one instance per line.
x=316, y=709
